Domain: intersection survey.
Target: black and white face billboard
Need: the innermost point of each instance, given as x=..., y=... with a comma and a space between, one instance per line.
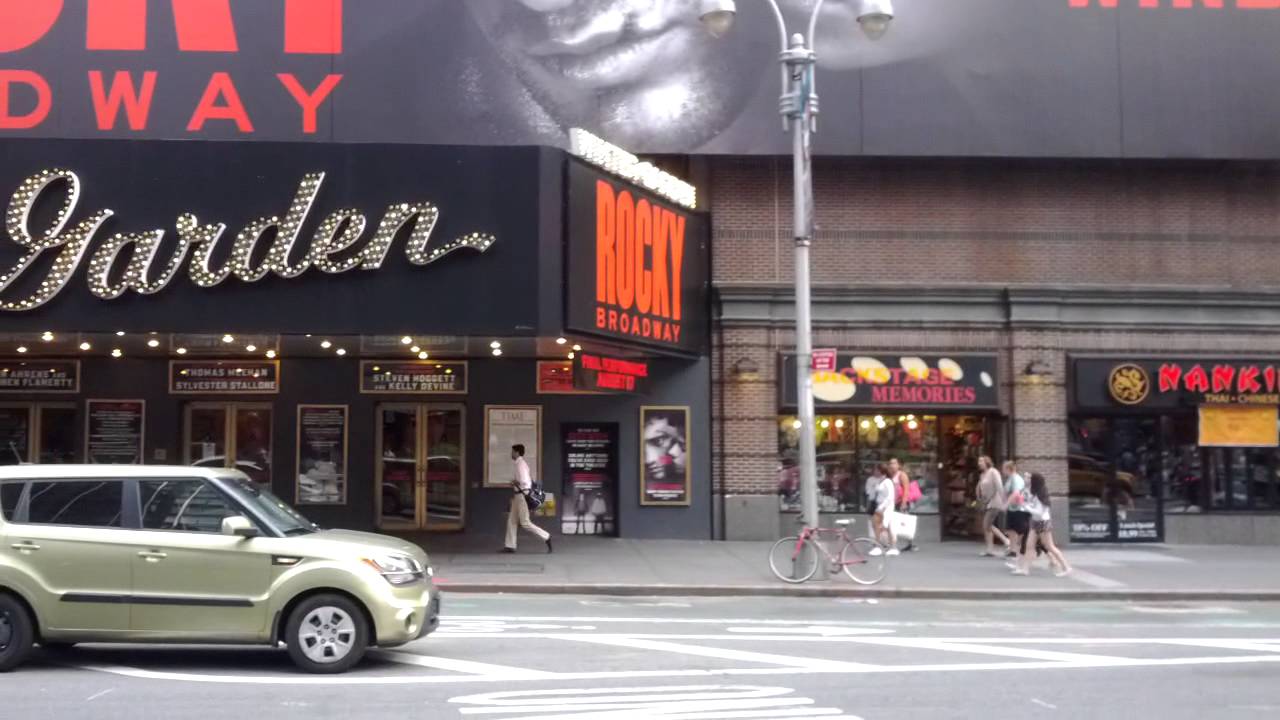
x=1035, y=78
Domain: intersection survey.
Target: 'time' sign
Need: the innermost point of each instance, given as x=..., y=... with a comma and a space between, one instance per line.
x=637, y=264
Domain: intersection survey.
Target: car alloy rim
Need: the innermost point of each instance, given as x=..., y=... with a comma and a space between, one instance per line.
x=6, y=631
x=327, y=635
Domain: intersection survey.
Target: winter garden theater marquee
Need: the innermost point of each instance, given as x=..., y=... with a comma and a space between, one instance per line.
x=258, y=237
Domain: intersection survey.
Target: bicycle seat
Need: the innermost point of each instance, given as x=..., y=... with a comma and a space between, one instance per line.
x=845, y=522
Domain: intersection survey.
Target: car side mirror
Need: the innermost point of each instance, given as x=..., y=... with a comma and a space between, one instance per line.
x=239, y=526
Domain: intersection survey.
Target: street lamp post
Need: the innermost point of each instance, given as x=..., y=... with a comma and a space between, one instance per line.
x=799, y=108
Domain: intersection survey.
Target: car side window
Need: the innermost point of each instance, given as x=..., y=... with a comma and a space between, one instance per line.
x=189, y=505
x=10, y=494
x=84, y=503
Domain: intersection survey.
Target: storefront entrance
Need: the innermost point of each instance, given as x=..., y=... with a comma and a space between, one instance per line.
x=230, y=435
x=421, y=466
x=37, y=432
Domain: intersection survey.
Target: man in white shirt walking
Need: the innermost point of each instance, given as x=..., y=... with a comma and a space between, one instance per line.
x=519, y=515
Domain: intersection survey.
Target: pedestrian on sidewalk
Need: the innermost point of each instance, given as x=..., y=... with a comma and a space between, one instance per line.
x=1041, y=530
x=1017, y=519
x=518, y=517
x=906, y=493
x=883, y=501
x=991, y=499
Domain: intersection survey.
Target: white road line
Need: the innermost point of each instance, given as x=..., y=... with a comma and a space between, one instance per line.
x=460, y=666
x=95, y=696
x=628, y=641
x=1043, y=704
x=1217, y=625
x=356, y=679
x=1263, y=646
x=1096, y=581
x=982, y=649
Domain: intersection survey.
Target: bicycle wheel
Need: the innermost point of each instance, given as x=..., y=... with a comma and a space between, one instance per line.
x=860, y=564
x=793, y=561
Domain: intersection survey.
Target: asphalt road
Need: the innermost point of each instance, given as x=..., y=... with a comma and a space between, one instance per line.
x=585, y=658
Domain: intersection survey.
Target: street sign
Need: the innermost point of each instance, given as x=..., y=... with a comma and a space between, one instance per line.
x=823, y=360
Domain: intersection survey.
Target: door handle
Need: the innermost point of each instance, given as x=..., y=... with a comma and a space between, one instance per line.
x=152, y=555
x=25, y=547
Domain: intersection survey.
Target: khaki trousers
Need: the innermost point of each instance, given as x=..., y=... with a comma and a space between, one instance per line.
x=519, y=518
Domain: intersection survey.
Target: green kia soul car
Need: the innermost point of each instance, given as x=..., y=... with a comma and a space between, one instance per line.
x=96, y=553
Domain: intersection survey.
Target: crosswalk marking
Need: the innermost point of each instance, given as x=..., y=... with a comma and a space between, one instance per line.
x=711, y=652
x=460, y=666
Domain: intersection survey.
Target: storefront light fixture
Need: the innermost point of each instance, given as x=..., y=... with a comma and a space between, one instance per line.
x=572, y=356
x=228, y=339
x=865, y=424
x=1037, y=371
x=117, y=352
x=153, y=343
x=448, y=371
x=341, y=352
x=422, y=355
x=879, y=419
x=746, y=369
x=406, y=340
x=797, y=424
x=415, y=349
x=181, y=351
x=47, y=336
x=326, y=344
x=497, y=351
x=271, y=354
x=85, y=346
x=912, y=424
x=839, y=423
x=119, y=333
x=825, y=424
x=577, y=348
x=495, y=344
x=561, y=341
x=251, y=348
x=22, y=348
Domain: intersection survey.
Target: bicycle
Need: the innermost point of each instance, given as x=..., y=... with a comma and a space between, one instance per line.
x=794, y=559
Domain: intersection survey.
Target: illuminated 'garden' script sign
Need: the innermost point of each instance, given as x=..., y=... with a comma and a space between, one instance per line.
x=129, y=261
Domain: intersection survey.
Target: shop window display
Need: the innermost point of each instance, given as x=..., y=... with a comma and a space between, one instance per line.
x=849, y=447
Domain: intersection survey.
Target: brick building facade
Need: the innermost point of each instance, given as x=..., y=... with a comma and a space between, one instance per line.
x=1038, y=262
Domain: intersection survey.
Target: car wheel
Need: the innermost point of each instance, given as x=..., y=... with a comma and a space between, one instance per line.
x=326, y=634
x=16, y=635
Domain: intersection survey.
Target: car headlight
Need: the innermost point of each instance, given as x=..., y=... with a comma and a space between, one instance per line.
x=397, y=569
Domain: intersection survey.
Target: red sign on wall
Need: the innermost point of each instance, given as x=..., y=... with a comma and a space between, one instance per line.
x=599, y=373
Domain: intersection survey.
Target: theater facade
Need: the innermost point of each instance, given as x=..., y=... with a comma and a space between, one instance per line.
x=365, y=329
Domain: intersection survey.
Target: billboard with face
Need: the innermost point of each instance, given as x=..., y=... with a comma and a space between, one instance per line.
x=1037, y=78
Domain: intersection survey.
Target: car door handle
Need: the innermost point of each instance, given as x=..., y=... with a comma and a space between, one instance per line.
x=152, y=555
x=25, y=547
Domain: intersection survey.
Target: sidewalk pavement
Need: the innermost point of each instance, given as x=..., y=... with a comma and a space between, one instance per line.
x=596, y=566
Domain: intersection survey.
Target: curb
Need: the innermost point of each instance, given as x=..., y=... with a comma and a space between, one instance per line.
x=625, y=590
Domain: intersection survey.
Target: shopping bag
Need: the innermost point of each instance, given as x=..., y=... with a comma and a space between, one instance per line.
x=904, y=526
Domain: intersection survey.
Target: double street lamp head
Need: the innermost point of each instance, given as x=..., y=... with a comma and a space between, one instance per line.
x=874, y=16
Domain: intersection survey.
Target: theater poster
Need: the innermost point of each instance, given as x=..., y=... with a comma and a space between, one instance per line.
x=590, y=461
x=664, y=455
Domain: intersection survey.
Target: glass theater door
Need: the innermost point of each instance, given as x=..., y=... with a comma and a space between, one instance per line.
x=230, y=435
x=420, y=467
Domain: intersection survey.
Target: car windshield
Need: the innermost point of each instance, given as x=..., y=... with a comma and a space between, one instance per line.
x=282, y=517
